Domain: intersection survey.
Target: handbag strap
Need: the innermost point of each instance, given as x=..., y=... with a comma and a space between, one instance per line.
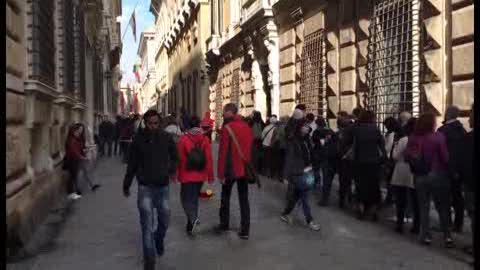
x=235, y=141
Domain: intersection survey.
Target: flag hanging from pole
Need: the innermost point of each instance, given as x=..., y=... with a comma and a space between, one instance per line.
x=133, y=23
x=136, y=70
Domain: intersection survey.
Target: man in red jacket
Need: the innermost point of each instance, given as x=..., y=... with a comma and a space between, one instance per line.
x=231, y=168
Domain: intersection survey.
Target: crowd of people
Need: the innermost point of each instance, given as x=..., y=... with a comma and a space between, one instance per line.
x=413, y=160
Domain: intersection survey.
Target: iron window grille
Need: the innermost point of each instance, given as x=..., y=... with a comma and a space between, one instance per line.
x=68, y=47
x=235, y=95
x=313, y=76
x=42, y=49
x=393, y=59
x=218, y=103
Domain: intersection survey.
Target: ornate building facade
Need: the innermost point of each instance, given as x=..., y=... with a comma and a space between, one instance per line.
x=61, y=68
x=183, y=28
x=387, y=55
x=146, y=51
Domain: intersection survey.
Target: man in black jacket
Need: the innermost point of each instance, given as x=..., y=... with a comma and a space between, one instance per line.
x=152, y=160
x=468, y=149
x=455, y=134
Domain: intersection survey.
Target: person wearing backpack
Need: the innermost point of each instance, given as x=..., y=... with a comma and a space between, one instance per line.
x=454, y=132
x=427, y=155
x=152, y=161
x=267, y=144
x=194, y=168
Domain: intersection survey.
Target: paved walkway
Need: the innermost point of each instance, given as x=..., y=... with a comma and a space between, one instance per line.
x=102, y=232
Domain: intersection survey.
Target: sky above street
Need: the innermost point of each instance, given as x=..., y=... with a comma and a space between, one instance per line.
x=144, y=19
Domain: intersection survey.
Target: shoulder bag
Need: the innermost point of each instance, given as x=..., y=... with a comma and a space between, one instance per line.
x=251, y=174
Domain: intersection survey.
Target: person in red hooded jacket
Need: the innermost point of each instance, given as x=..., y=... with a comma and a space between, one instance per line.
x=207, y=125
x=231, y=168
x=193, y=178
x=74, y=156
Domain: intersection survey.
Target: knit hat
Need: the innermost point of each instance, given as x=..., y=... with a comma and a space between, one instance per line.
x=452, y=112
x=273, y=120
x=297, y=114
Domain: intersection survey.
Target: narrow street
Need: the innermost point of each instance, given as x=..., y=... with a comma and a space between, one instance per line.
x=102, y=232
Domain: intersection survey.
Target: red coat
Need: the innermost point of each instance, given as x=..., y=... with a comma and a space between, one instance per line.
x=184, y=145
x=244, y=135
x=74, y=149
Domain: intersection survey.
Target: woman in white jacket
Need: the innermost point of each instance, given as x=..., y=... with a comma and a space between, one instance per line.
x=403, y=183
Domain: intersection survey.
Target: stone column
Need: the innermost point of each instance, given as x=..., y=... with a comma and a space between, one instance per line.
x=260, y=100
x=271, y=44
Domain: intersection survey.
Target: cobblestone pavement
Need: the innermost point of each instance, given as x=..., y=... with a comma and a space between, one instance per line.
x=102, y=232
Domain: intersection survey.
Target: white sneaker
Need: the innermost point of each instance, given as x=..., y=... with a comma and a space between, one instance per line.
x=71, y=196
x=286, y=219
x=76, y=196
x=314, y=226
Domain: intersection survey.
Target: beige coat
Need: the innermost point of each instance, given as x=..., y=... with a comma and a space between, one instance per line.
x=402, y=176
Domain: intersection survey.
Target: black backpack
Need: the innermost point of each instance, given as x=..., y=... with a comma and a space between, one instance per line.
x=196, y=159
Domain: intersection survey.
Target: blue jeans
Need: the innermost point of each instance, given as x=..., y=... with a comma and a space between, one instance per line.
x=297, y=192
x=149, y=199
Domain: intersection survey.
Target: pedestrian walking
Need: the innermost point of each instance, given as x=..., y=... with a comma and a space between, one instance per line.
x=116, y=137
x=232, y=168
x=173, y=128
x=126, y=135
x=297, y=115
x=153, y=162
x=207, y=125
x=194, y=168
x=298, y=158
x=107, y=133
x=454, y=133
x=368, y=149
x=402, y=182
x=427, y=155
x=279, y=147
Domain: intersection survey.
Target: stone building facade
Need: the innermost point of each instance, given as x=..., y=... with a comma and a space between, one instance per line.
x=183, y=29
x=146, y=51
x=61, y=58
x=386, y=55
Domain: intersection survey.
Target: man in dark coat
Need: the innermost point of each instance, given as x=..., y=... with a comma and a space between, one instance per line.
x=455, y=133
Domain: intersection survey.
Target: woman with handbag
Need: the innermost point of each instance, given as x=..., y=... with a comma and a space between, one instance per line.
x=368, y=148
x=299, y=173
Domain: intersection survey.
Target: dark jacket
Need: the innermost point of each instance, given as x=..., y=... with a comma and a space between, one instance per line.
x=454, y=132
x=153, y=158
x=369, y=143
x=324, y=140
x=106, y=130
x=297, y=157
x=467, y=159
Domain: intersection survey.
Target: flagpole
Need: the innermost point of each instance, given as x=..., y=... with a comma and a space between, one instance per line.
x=125, y=31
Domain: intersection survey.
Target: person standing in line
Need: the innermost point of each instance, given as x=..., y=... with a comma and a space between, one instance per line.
x=232, y=169
x=257, y=126
x=454, y=132
x=268, y=149
x=106, y=131
x=324, y=158
x=427, y=154
x=311, y=122
x=393, y=128
x=345, y=175
x=369, y=153
x=278, y=143
x=299, y=160
x=402, y=181
x=297, y=115
x=153, y=162
x=194, y=168
x=467, y=174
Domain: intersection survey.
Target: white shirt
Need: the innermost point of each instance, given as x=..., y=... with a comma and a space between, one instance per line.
x=313, y=126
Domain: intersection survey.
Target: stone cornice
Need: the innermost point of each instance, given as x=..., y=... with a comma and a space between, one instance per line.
x=63, y=99
x=40, y=89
